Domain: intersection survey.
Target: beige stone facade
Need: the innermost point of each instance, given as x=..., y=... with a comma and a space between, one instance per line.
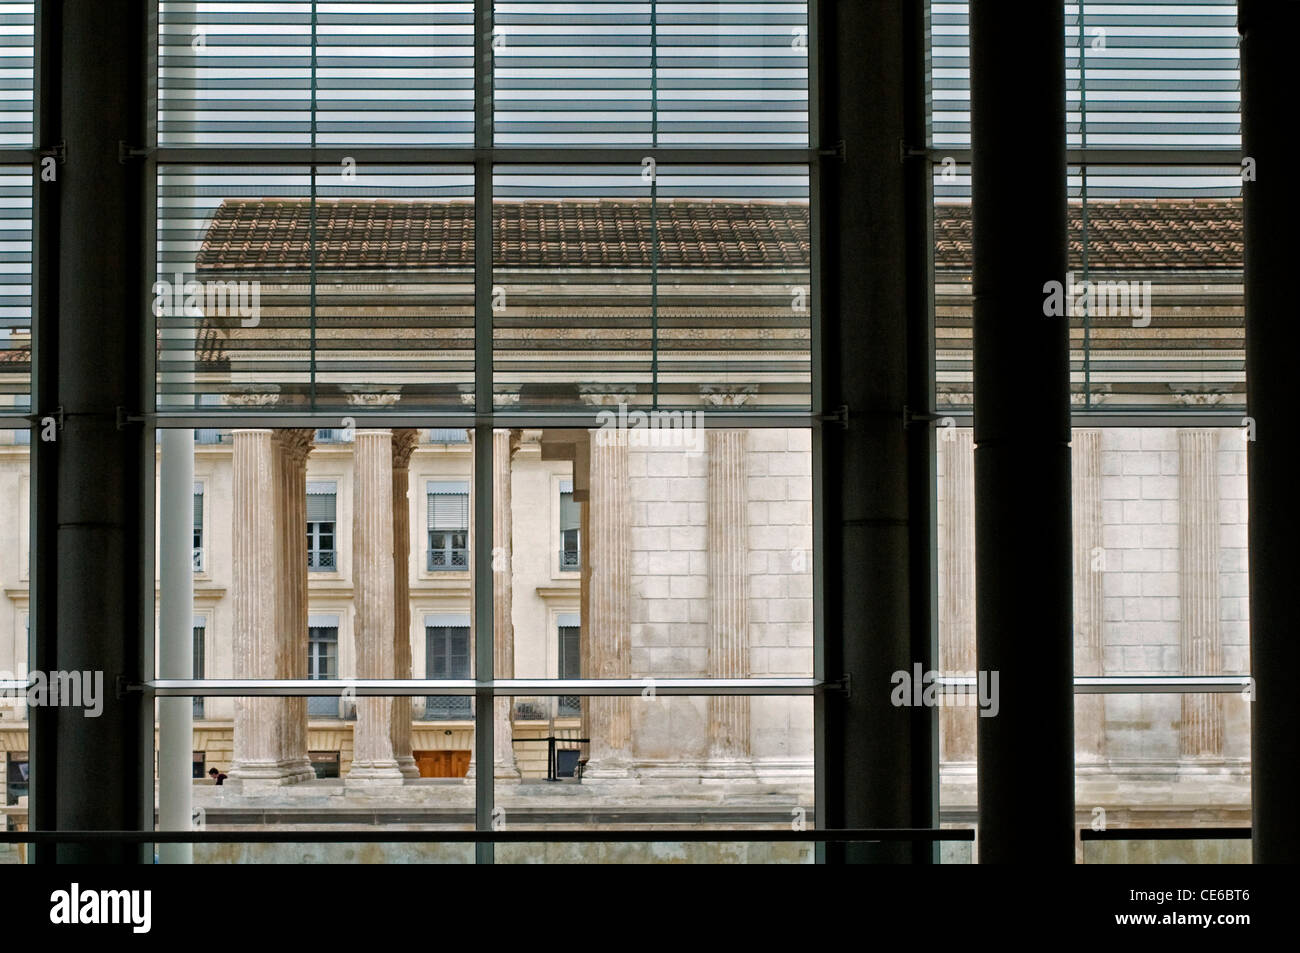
x=675, y=587
x=693, y=563
x=1160, y=588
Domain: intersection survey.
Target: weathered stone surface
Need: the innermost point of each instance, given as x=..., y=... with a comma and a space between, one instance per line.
x=269, y=592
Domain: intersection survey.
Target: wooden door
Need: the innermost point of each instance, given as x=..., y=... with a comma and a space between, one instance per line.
x=442, y=764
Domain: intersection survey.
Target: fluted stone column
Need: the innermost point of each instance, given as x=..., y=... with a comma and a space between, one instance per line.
x=957, y=609
x=584, y=602
x=404, y=442
x=504, y=444
x=472, y=773
x=1198, y=561
x=728, y=554
x=294, y=446
x=1089, y=575
x=607, y=580
x=374, y=760
x=269, y=592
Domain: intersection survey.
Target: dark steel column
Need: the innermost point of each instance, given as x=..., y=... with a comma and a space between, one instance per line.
x=878, y=761
x=1268, y=30
x=42, y=620
x=1022, y=432
x=96, y=517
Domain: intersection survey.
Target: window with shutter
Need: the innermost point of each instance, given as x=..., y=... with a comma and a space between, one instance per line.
x=321, y=554
x=568, y=630
x=323, y=663
x=198, y=527
x=200, y=659
x=447, y=656
x=448, y=526
x=570, y=521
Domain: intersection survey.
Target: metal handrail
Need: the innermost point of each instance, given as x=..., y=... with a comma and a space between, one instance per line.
x=1167, y=833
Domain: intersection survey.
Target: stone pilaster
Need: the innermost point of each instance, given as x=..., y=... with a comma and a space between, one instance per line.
x=269, y=593
x=1089, y=576
x=584, y=601
x=294, y=446
x=957, y=603
x=1198, y=590
x=607, y=579
x=373, y=758
x=504, y=444
x=404, y=442
x=728, y=552
x=472, y=773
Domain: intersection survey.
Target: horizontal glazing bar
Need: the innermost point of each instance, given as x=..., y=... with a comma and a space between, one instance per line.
x=1094, y=156
x=238, y=421
x=1160, y=684
x=950, y=684
x=1164, y=418
x=238, y=687
x=602, y=836
x=600, y=155
x=1118, y=684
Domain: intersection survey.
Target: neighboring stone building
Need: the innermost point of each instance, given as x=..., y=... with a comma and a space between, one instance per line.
x=1160, y=581
x=621, y=560
x=1160, y=571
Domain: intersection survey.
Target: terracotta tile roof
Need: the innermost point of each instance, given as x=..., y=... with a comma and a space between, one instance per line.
x=257, y=234
x=1138, y=234
x=209, y=350
x=273, y=234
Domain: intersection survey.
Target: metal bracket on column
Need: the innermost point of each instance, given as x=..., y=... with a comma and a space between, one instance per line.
x=840, y=416
x=842, y=684
x=58, y=153
x=57, y=415
x=124, y=687
x=125, y=152
x=125, y=417
x=910, y=418
x=837, y=151
x=906, y=152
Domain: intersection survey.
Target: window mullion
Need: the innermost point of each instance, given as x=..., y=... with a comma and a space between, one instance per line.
x=482, y=492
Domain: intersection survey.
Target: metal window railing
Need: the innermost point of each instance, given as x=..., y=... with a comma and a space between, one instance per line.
x=448, y=708
x=448, y=559
x=546, y=708
x=321, y=559
x=448, y=435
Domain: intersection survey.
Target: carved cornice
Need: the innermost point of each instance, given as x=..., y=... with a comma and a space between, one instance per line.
x=955, y=398
x=727, y=395
x=253, y=395
x=1190, y=398
x=372, y=397
x=606, y=395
